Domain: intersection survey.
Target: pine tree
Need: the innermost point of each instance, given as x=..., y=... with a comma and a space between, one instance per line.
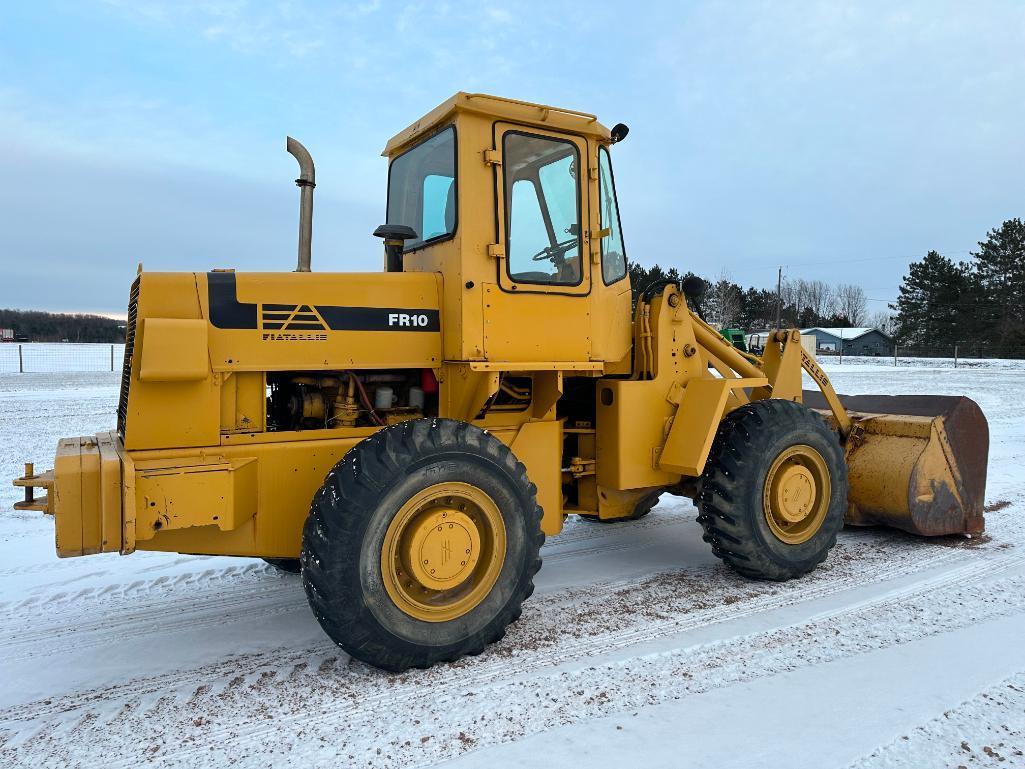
x=929, y=308
x=1000, y=271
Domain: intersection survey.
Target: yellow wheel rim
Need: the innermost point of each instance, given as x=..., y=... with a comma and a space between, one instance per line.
x=796, y=494
x=443, y=552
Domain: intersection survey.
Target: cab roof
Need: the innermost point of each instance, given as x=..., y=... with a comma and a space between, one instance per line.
x=499, y=107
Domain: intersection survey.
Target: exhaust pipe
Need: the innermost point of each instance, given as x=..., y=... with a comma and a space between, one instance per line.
x=306, y=182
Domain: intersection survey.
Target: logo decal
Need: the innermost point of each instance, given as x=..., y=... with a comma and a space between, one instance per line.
x=291, y=317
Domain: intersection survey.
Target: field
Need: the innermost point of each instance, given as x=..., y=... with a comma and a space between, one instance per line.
x=638, y=646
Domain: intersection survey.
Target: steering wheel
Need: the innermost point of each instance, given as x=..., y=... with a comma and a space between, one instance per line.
x=555, y=252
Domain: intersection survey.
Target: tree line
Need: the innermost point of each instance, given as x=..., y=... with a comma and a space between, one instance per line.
x=36, y=326
x=800, y=303
x=978, y=305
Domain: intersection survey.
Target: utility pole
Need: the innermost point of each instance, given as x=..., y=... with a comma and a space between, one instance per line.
x=779, y=295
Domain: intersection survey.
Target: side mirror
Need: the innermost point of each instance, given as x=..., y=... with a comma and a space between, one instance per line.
x=394, y=236
x=619, y=132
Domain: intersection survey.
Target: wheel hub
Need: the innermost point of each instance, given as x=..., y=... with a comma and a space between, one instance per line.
x=443, y=551
x=796, y=494
x=442, y=548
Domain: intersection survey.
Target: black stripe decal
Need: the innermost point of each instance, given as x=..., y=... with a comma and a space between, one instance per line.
x=226, y=312
x=225, y=309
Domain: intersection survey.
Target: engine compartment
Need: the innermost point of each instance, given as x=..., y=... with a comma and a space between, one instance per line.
x=327, y=400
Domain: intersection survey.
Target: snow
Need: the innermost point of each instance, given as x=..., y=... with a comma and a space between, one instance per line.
x=638, y=646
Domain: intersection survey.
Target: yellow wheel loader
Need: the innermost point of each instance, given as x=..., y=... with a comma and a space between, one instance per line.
x=407, y=438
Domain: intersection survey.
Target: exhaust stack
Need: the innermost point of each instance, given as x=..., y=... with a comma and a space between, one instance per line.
x=306, y=182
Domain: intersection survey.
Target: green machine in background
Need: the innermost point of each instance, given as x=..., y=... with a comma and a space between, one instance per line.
x=736, y=337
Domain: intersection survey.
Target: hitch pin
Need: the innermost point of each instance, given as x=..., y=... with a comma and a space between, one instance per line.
x=30, y=472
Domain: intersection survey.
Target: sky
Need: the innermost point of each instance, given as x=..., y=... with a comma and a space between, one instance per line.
x=840, y=140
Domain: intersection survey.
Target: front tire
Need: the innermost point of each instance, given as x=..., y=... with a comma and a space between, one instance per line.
x=772, y=496
x=422, y=544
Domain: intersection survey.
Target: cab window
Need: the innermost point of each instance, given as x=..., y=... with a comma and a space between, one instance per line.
x=542, y=209
x=613, y=255
x=422, y=189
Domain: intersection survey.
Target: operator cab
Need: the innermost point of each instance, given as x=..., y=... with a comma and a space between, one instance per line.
x=515, y=205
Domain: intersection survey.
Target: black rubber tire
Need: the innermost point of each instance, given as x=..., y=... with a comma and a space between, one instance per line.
x=343, y=535
x=643, y=508
x=729, y=497
x=287, y=565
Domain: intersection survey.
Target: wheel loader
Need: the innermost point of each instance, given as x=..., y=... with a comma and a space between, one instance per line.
x=407, y=438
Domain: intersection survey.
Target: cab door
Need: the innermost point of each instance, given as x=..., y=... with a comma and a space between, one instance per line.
x=538, y=307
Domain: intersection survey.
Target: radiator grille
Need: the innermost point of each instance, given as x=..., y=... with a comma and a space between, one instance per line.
x=126, y=372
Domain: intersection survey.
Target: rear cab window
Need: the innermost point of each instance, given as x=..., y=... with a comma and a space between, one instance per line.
x=422, y=190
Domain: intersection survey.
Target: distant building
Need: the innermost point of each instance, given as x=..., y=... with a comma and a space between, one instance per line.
x=855, y=341
x=6, y=334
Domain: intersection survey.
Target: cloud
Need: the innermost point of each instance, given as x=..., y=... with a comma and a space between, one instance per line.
x=251, y=28
x=499, y=15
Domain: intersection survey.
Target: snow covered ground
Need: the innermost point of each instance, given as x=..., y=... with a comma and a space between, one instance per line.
x=638, y=646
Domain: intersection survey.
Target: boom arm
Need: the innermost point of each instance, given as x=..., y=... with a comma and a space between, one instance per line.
x=781, y=364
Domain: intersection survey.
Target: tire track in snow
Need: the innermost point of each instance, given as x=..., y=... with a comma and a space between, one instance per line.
x=964, y=734
x=571, y=624
x=99, y=616
x=368, y=712
x=557, y=548
x=361, y=705
x=134, y=604
x=545, y=635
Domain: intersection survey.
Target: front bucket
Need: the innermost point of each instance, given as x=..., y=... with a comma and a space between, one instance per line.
x=915, y=462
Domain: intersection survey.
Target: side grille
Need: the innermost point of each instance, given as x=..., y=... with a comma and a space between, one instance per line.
x=126, y=372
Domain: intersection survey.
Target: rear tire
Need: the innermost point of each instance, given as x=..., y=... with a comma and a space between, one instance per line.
x=374, y=519
x=772, y=497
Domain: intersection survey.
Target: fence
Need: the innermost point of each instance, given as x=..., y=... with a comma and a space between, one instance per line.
x=70, y=357
x=34, y=358
x=940, y=356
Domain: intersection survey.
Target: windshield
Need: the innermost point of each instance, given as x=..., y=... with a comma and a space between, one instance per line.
x=422, y=189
